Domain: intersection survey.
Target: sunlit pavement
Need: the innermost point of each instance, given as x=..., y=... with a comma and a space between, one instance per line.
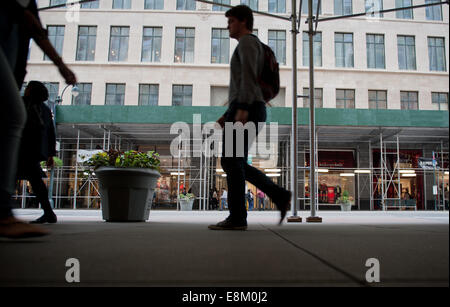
x=176, y=249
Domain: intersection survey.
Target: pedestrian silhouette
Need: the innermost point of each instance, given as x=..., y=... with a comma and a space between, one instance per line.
x=247, y=104
x=38, y=144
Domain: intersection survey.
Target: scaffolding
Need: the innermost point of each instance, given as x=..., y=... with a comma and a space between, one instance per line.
x=387, y=176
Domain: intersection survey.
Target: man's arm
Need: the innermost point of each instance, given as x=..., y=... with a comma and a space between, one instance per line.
x=248, y=51
x=39, y=35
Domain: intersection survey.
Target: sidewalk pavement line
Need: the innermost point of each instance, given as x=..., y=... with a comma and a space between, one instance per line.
x=330, y=265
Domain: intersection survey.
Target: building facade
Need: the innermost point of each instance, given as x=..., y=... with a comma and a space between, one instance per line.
x=174, y=55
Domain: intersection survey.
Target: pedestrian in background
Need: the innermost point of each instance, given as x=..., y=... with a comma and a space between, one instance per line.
x=38, y=144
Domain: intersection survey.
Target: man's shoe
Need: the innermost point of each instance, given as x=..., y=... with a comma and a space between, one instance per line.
x=46, y=218
x=284, y=207
x=228, y=225
x=15, y=229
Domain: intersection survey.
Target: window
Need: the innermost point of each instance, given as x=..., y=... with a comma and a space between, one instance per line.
x=53, y=89
x=433, y=12
x=441, y=100
x=277, y=41
x=219, y=96
x=184, y=45
x=118, y=47
x=404, y=14
x=345, y=99
x=121, y=4
x=318, y=97
x=344, y=49
x=57, y=2
x=115, y=94
x=409, y=100
x=220, y=46
x=253, y=4
x=406, y=52
x=220, y=8
x=148, y=94
x=182, y=95
x=255, y=32
x=374, y=6
x=186, y=5
x=343, y=7
x=277, y=6
x=375, y=51
x=315, y=3
x=84, y=97
x=317, y=45
x=56, y=38
x=436, y=53
x=90, y=5
x=87, y=36
x=377, y=99
x=151, y=44
x=154, y=4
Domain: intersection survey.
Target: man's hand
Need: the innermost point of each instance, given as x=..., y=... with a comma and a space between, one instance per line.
x=50, y=162
x=241, y=116
x=67, y=74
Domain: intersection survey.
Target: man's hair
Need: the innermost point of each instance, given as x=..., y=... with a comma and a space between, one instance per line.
x=242, y=12
x=38, y=91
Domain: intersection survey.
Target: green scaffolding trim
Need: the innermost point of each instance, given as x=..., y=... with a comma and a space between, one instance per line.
x=324, y=117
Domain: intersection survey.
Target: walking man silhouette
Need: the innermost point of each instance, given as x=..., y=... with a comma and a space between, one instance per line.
x=246, y=105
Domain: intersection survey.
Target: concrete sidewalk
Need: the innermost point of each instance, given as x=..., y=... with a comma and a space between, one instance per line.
x=176, y=249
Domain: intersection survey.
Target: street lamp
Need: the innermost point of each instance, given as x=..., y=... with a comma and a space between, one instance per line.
x=52, y=105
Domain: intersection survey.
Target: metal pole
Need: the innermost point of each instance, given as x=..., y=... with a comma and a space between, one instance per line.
x=371, y=175
x=358, y=191
x=178, y=182
x=424, y=184
x=399, y=192
x=109, y=139
x=382, y=171
x=294, y=145
x=442, y=171
x=76, y=173
x=312, y=126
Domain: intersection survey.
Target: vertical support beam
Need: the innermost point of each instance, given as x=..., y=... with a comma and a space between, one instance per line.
x=357, y=179
x=312, y=125
x=294, y=140
x=371, y=176
x=200, y=183
x=442, y=171
x=104, y=138
x=75, y=184
x=24, y=184
x=382, y=171
x=178, y=175
x=399, y=192
x=109, y=138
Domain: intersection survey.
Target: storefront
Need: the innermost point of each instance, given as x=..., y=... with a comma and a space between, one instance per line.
x=336, y=178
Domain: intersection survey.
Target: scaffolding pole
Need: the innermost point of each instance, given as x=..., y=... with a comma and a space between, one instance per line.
x=76, y=172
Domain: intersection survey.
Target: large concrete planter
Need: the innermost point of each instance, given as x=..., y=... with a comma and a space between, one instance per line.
x=346, y=207
x=186, y=205
x=126, y=193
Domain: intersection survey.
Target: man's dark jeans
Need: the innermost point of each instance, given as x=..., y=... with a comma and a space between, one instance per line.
x=238, y=170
